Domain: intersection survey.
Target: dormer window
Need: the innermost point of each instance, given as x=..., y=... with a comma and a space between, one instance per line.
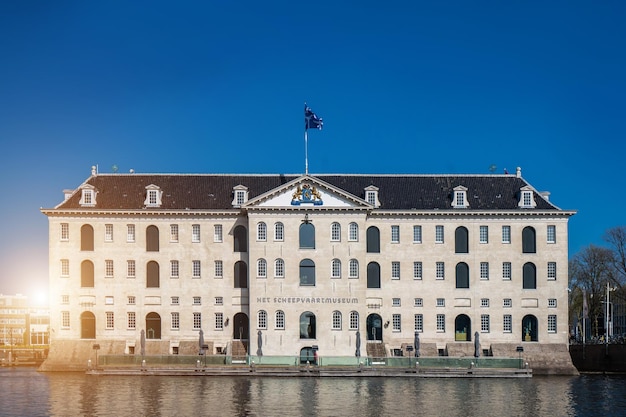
x=88, y=196
x=459, y=198
x=527, y=198
x=153, y=196
x=371, y=196
x=240, y=195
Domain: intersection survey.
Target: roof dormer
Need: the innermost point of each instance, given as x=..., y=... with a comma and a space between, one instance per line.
x=371, y=195
x=240, y=195
x=527, y=197
x=88, y=196
x=153, y=196
x=459, y=197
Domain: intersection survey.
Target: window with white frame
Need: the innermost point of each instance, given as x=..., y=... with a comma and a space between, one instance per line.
x=335, y=268
x=174, y=269
x=131, y=320
x=219, y=301
x=279, y=232
x=484, y=323
x=439, y=234
x=219, y=269
x=279, y=320
x=484, y=234
x=218, y=235
x=108, y=233
x=418, y=323
x=484, y=270
x=219, y=321
x=440, y=270
x=195, y=233
x=417, y=234
x=417, y=270
x=108, y=268
x=130, y=269
x=354, y=320
x=506, y=234
x=395, y=302
x=484, y=302
x=261, y=268
x=65, y=231
x=371, y=197
x=196, y=269
x=262, y=319
x=396, y=321
x=65, y=268
x=441, y=302
x=131, y=300
x=261, y=232
x=353, y=269
x=336, y=320
x=130, y=232
x=175, y=320
x=552, y=323
x=110, y=320
x=197, y=321
x=460, y=197
x=551, y=271
x=197, y=300
x=175, y=300
x=395, y=270
x=88, y=198
x=65, y=319
x=418, y=302
x=65, y=299
x=353, y=232
x=507, y=303
x=395, y=234
x=279, y=268
x=335, y=232
x=441, y=323
x=507, y=323
x=551, y=234
x=526, y=199
x=551, y=302
x=506, y=271
x=173, y=233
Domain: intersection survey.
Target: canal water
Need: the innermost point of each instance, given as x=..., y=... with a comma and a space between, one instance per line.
x=25, y=392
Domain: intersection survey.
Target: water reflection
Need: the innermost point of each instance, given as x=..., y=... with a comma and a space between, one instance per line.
x=26, y=392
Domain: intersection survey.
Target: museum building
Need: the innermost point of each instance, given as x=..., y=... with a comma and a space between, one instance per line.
x=296, y=265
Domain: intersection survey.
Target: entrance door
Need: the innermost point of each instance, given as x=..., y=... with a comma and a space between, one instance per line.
x=374, y=327
x=462, y=328
x=240, y=327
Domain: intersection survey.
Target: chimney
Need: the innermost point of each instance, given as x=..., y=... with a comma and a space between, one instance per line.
x=545, y=195
x=94, y=170
x=518, y=172
x=67, y=194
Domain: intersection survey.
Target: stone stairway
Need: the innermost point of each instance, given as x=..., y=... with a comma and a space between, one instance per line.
x=239, y=350
x=376, y=350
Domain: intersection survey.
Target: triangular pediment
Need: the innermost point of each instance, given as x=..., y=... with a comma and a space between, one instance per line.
x=307, y=191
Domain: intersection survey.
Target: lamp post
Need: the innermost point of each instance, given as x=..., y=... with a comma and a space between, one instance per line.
x=606, y=318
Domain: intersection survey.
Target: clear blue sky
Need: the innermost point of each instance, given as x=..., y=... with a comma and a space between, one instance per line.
x=219, y=86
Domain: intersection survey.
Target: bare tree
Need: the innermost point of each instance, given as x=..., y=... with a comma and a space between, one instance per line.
x=616, y=238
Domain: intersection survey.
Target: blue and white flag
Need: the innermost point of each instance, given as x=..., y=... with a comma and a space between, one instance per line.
x=311, y=121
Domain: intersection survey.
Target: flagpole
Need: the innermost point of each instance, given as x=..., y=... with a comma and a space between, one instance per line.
x=306, y=152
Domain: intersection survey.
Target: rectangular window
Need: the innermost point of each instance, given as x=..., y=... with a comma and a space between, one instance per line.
x=507, y=303
x=130, y=269
x=484, y=270
x=65, y=231
x=441, y=322
x=438, y=234
x=131, y=299
x=441, y=302
x=395, y=270
x=219, y=269
x=108, y=268
x=197, y=321
x=395, y=234
x=217, y=233
x=419, y=323
x=132, y=319
x=418, y=302
x=552, y=271
x=108, y=233
x=507, y=323
x=484, y=323
x=173, y=233
x=174, y=269
x=484, y=234
x=130, y=233
x=197, y=300
x=371, y=197
x=506, y=234
x=175, y=320
x=395, y=302
x=552, y=303
x=65, y=319
x=110, y=322
x=219, y=321
x=195, y=233
x=195, y=266
x=65, y=267
x=240, y=197
x=484, y=302
x=65, y=299
x=396, y=320
x=552, y=323
x=219, y=301
x=417, y=270
x=506, y=271
x=440, y=270
x=417, y=234
x=175, y=300
x=551, y=234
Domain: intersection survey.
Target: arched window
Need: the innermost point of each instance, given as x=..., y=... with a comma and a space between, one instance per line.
x=529, y=280
x=152, y=275
x=354, y=320
x=335, y=232
x=529, y=329
x=373, y=275
x=261, y=232
x=279, y=231
x=307, y=325
x=373, y=240
x=152, y=238
x=279, y=320
x=335, y=268
x=307, y=236
x=241, y=274
x=336, y=320
x=261, y=268
x=262, y=319
x=153, y=326
x=353, y=232
x=529, y=240
x=240, y=239
x=86, y=237
x=461, y=240
x=354, y=269
x=87, y=325
x=86, y=274
x=307, y=272
x=462, y=275
x=279, y=268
